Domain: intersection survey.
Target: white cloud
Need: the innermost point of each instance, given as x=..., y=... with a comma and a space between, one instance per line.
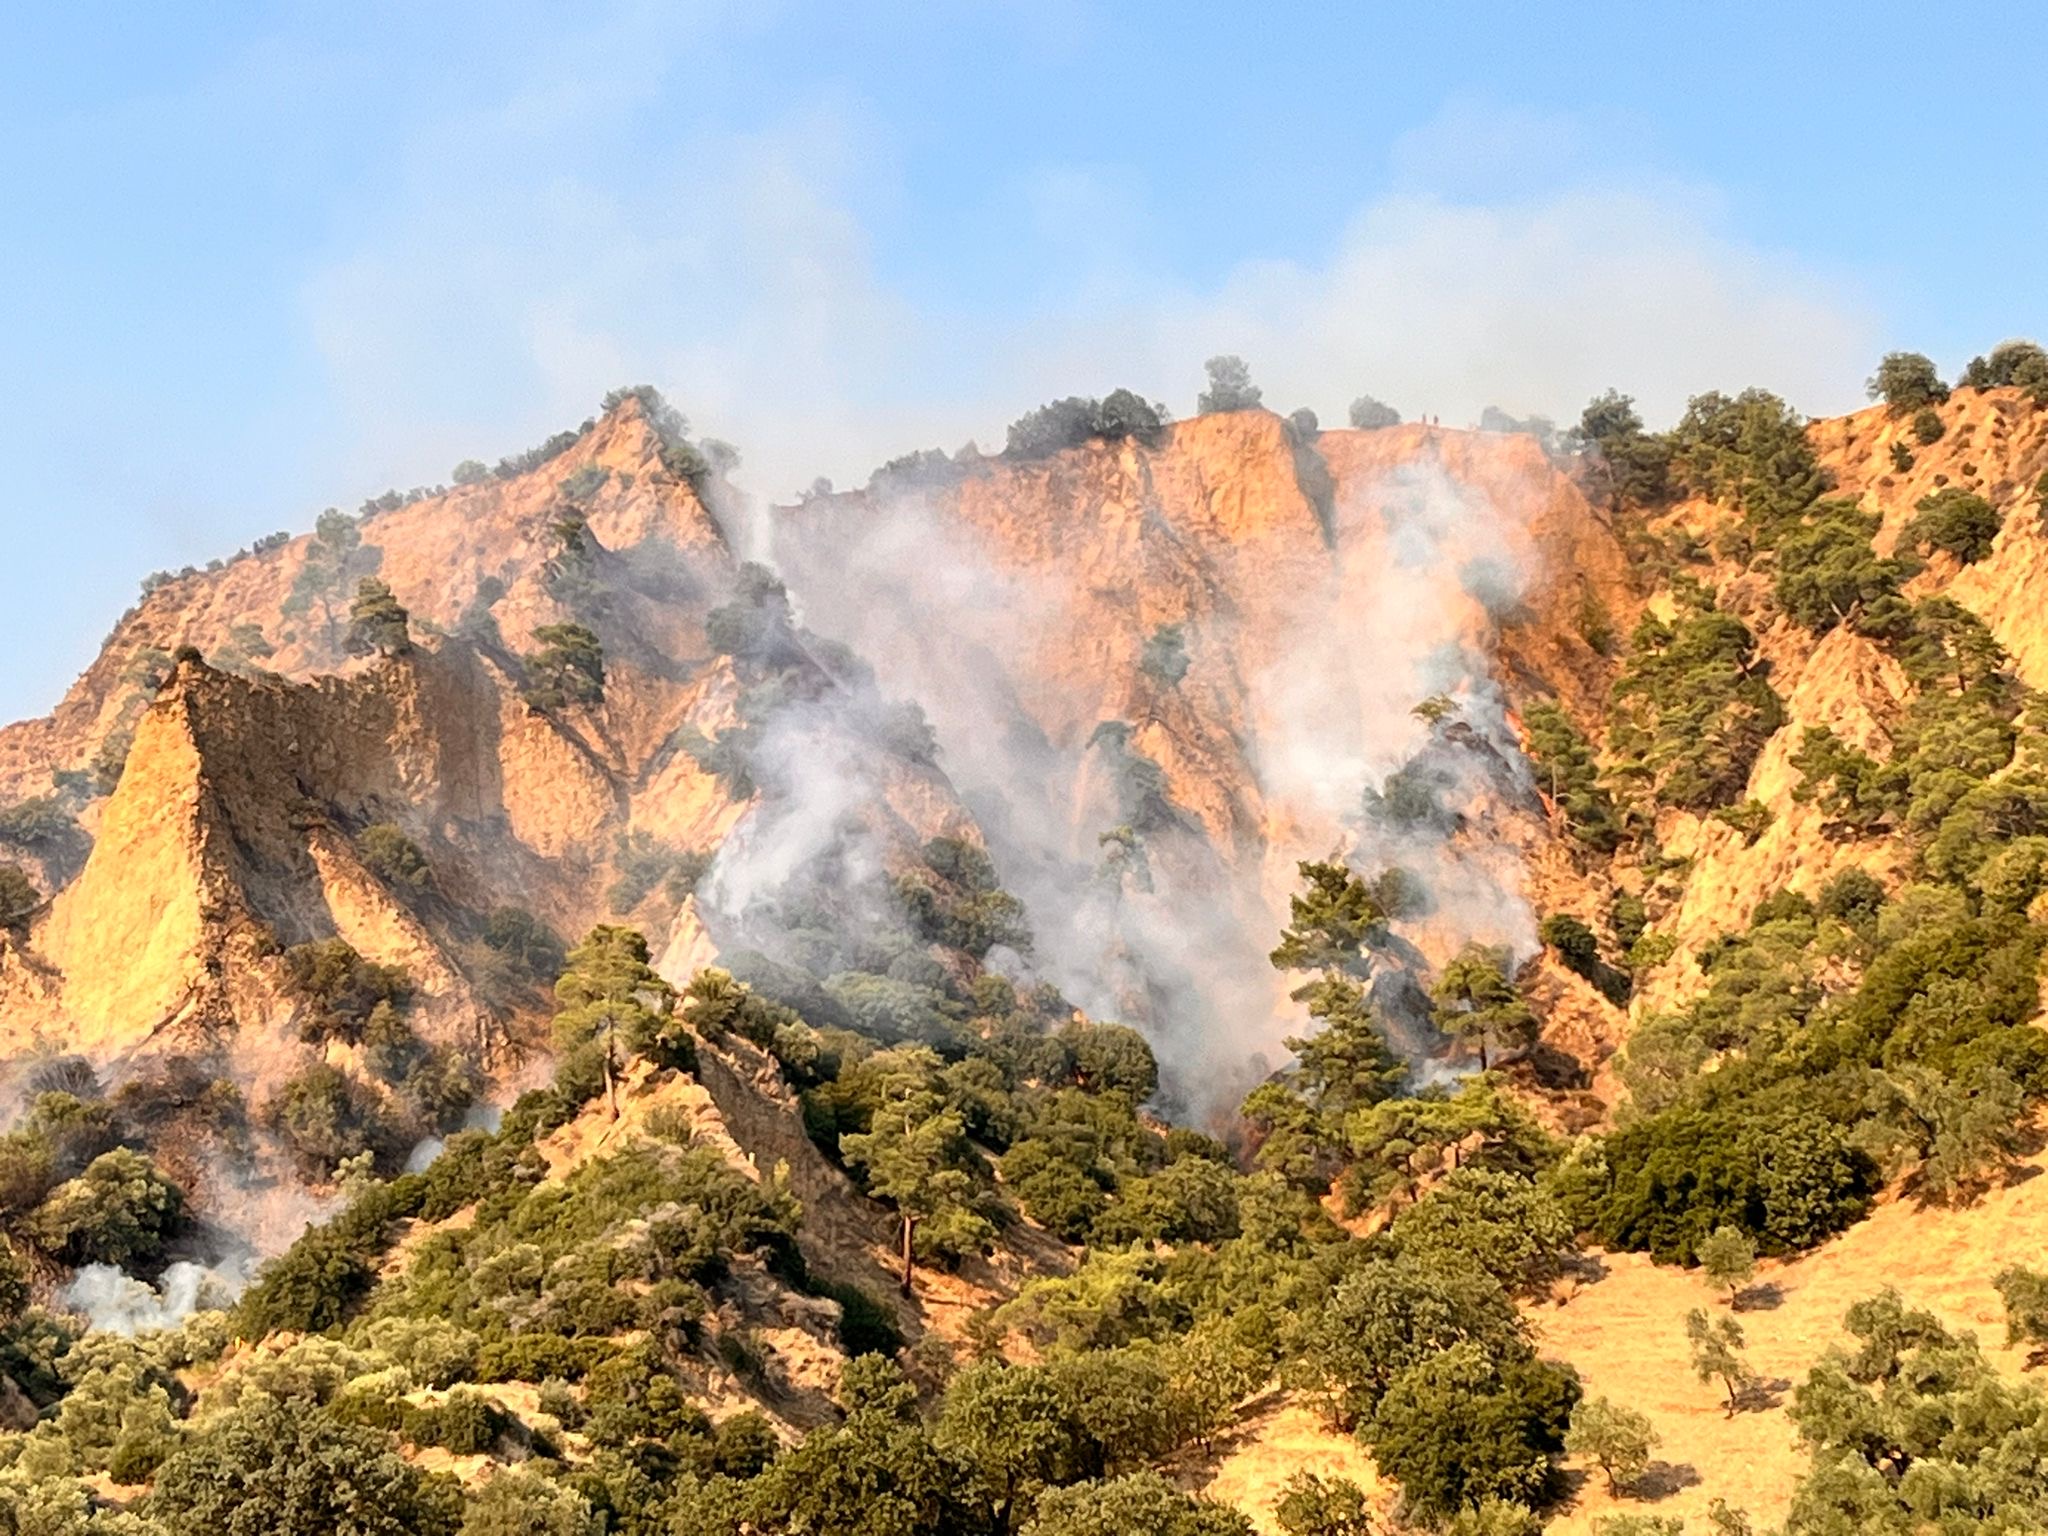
x=1533, y=305
x=508, y=285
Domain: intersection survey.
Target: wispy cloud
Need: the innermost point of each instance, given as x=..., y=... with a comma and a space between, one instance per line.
x=546, y=248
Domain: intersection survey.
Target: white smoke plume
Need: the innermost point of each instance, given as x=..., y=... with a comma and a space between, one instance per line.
x=1427, y=569
x=1422, y=570
x=117, y=1302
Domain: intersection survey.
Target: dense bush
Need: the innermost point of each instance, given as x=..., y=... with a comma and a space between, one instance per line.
x=327, y=1117
x=1956, y=521
x=1910, y=1426
x=377, y=624
x=1749, y=451
x=526, y=940
x=1788, y=1179
x=1691, y=709
x=1828, y=573
x=1907, y=381
x=287, y=1469
x=1569, y=776
x=955, y=900
x=1460, y=1427
x=1632, y=465
x=18, y=896
x=1368, y=415
x=568, y=669
x=337, y=990
x=1077, y=419
x=1230, y=387
x=1165, y=657
x=393, y=857
x=119, y=1211
x=644, y=864
x=2014, y=364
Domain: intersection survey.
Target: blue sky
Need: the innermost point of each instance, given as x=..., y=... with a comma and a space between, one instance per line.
x=263, y=258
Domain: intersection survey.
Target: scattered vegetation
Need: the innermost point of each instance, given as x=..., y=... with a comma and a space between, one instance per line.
x=1860, y=1034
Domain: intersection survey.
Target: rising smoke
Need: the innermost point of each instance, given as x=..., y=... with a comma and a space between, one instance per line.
x=117, y=1302
x=1140, y=910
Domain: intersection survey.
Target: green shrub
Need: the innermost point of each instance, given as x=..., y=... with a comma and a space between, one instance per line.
x=1138, y=1501
x=1230, y=387
x=1691, y=709
x=1569, y=776
x=568, y=669
x=393, y=857
x=1460, y=1426
x=866, y=1326
x=337, y=989
x=1633, y=465
x=1956, y=521
x=2012, y=364
x=525, y=940
x=18, y=896
x=1075, y=420
x=1369, y=415
x=327, y=1117
x=956, y=900
x=1787, y=1180
x=1313, y=1506
x=1907, y=381
x=1828, y=573
x=1750, y=451
x=119, y=1211
x=288, y=1470
x=377, y=624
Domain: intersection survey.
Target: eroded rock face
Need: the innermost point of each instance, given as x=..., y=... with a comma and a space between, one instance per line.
x=1211, y=646
x=232, y=831
x=1994, y=443
x=1159, y=675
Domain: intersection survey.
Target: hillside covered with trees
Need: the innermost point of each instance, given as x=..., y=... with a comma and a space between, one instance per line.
x=522, y=1020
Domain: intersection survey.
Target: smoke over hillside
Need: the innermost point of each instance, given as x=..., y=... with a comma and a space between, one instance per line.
x=1148, y=800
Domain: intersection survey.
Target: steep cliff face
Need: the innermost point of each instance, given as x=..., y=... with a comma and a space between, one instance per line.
x=1159, y=674
x=440, y=555
x=228, y=837
x=1201, y=654
x=228, y=833
x=241, y=790
x=1130, y=684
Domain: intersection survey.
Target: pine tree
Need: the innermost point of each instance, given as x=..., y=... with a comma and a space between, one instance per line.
x=612, y=1000
x=1477, y=1003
